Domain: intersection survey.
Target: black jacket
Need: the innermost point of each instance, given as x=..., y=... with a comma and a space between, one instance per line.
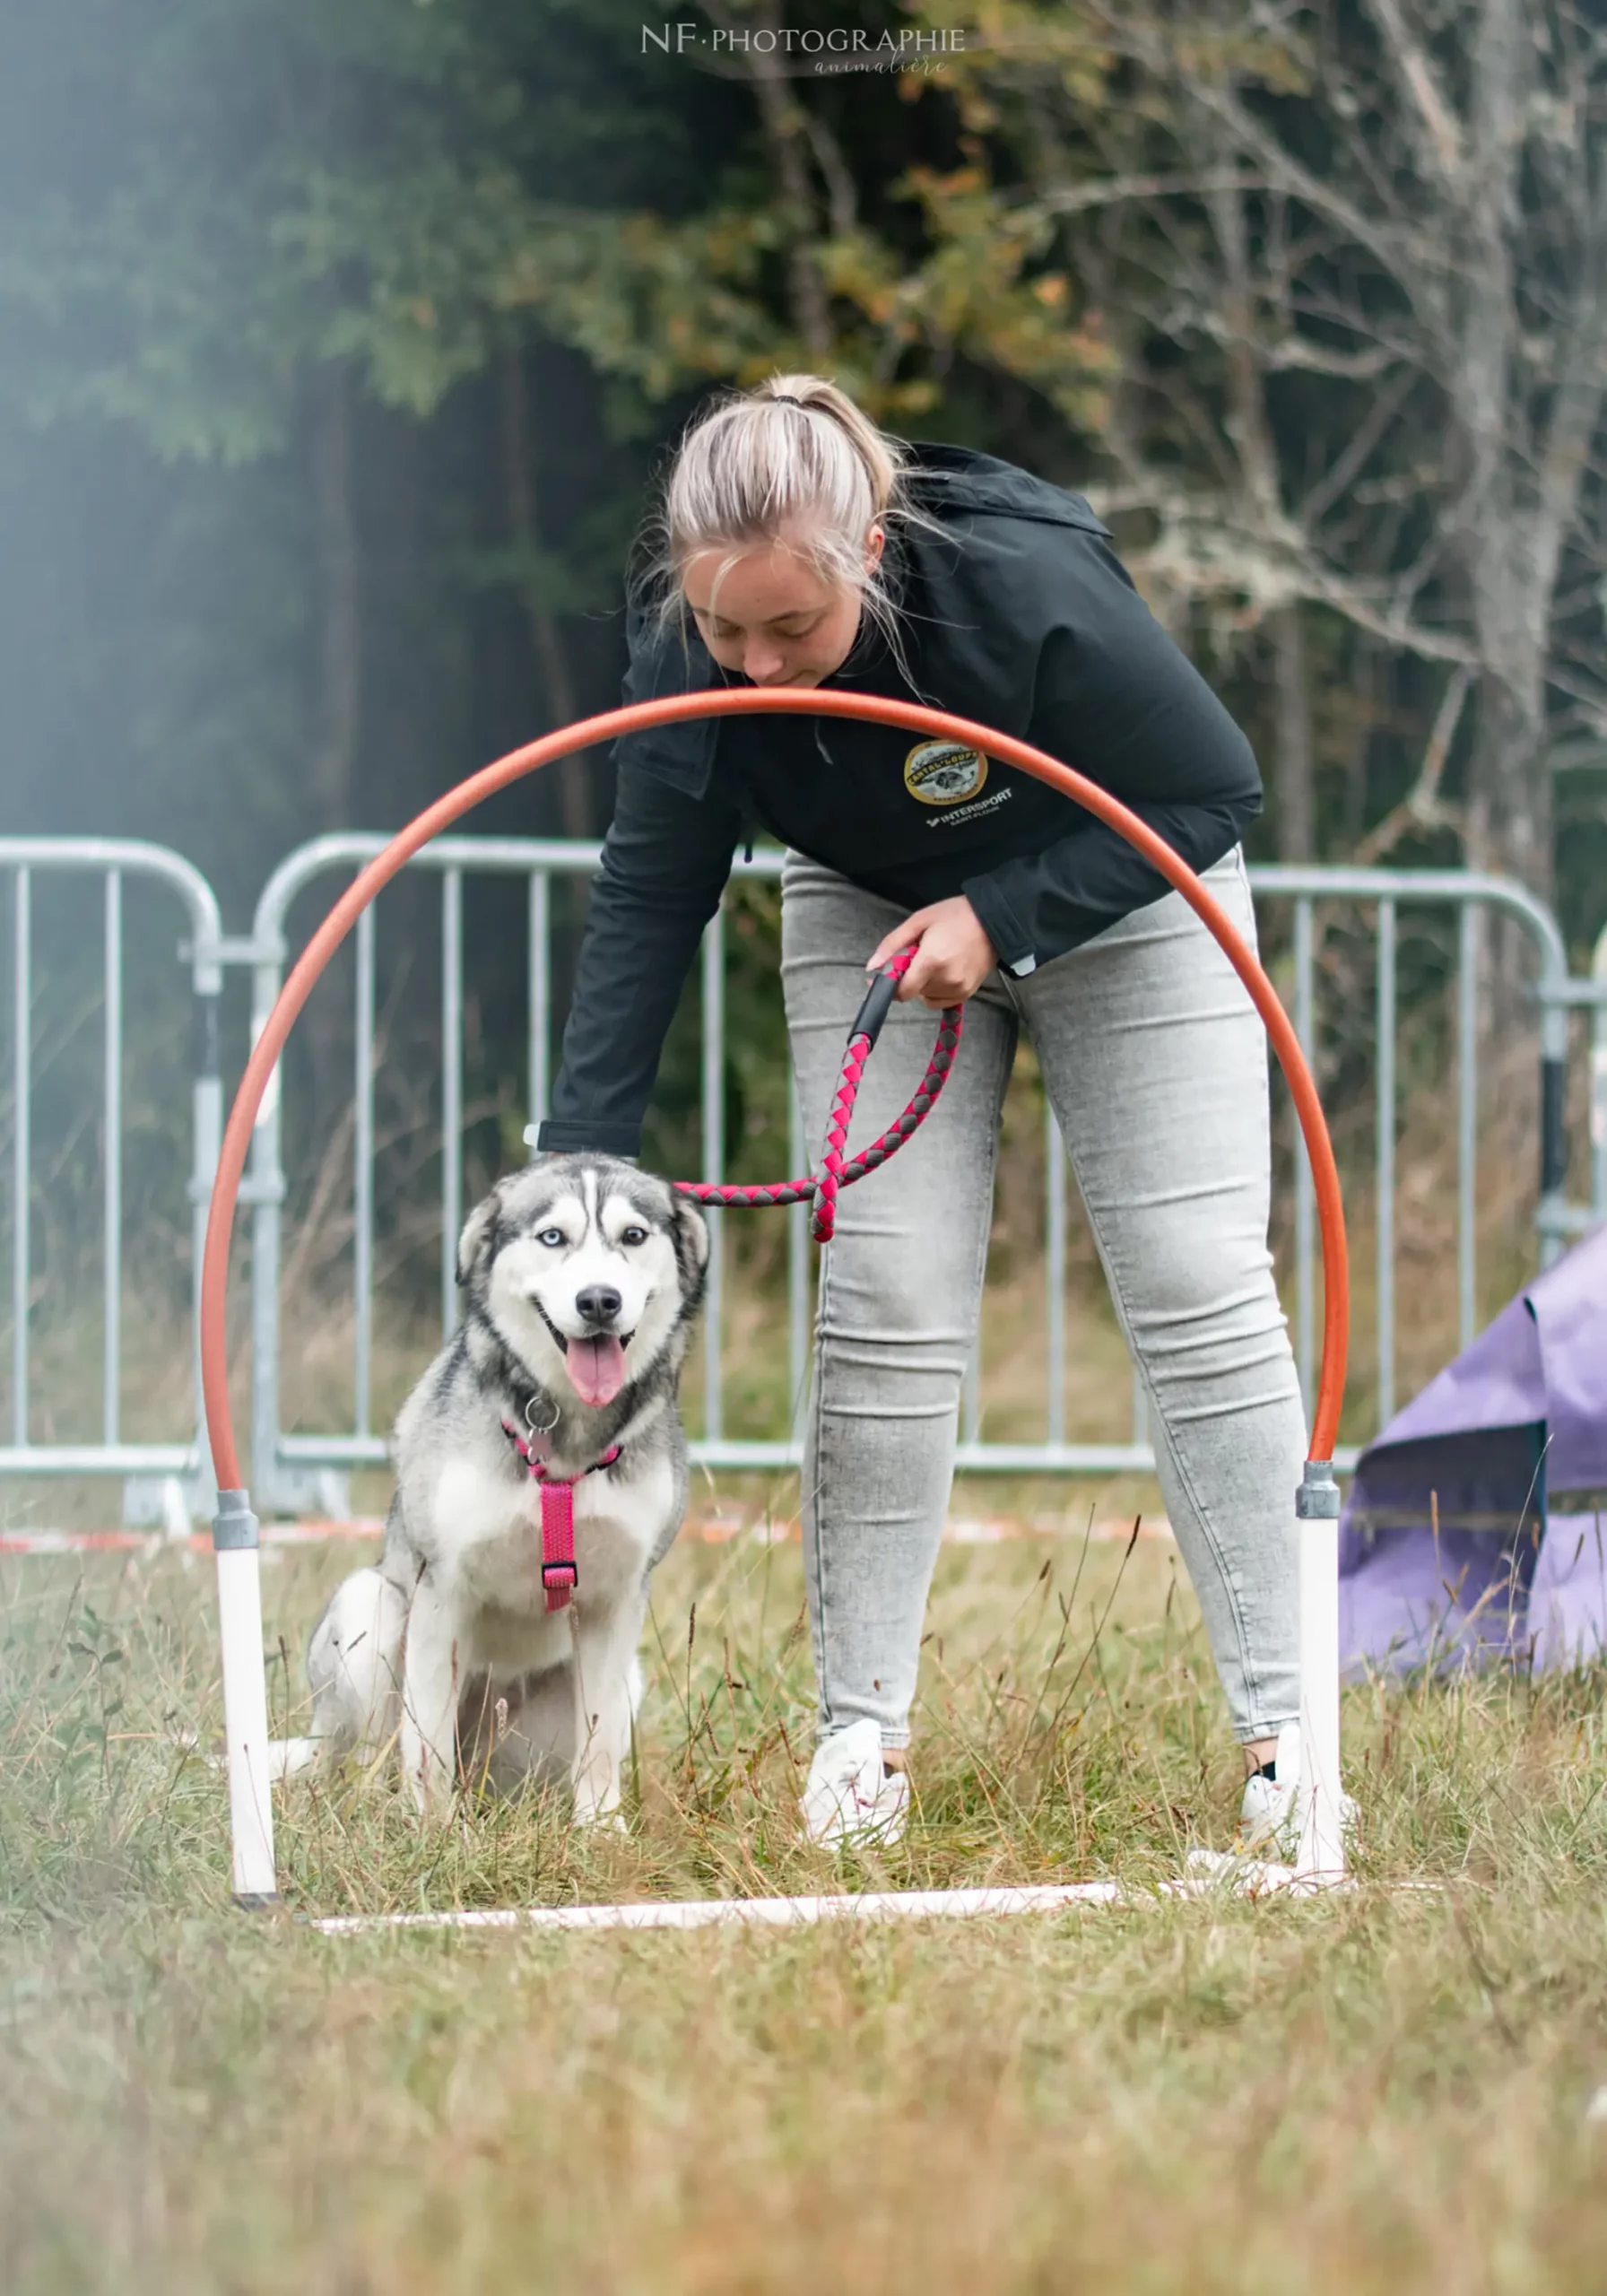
x=1018, y=615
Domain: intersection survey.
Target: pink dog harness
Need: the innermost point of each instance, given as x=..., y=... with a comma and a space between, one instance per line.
x=561, y=1574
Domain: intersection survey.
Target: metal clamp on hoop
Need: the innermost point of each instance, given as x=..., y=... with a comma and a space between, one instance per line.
x=1317, y=1499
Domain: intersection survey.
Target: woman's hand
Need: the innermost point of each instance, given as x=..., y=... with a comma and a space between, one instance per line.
x=954, y=959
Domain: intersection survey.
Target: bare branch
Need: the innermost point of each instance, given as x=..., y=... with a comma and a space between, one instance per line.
x=1394, y=629
x=1174, y=390
x=1407, y=257
x=1287, y=353
x=1419, y=79
x=1110, y=191
x=1584, y=753
x=1204, y=548
x=1298, y=353
x=1357, y=449
x=1592, y=698
x=1421, y=808
x=1437, y=541
x=842, y=194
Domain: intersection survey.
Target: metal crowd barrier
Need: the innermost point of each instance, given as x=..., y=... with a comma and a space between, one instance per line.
x=282, y=1460
x=169, y=1481
x=1467, y=893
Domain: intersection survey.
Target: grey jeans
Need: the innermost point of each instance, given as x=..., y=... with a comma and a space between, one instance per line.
x=1155, y=1063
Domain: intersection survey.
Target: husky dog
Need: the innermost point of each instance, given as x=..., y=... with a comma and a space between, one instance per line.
x=581, y=1277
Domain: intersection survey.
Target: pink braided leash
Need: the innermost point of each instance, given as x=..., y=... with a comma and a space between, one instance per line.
x=835, y=1175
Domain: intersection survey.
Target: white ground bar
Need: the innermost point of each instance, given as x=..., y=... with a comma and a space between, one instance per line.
x=1240, y=1876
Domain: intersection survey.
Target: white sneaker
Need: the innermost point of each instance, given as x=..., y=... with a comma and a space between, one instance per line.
x=1269, y=1817
x=851, y=1795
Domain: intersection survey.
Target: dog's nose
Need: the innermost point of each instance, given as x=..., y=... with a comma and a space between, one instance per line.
x=599, y=1303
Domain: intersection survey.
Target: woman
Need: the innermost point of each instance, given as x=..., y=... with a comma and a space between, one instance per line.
x=799, y=547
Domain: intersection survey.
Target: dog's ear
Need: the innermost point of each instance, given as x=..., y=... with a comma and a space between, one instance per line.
x=479, y=1235
x=691, y=1237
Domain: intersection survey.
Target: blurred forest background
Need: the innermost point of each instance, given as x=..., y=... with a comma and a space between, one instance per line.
x=340, y=339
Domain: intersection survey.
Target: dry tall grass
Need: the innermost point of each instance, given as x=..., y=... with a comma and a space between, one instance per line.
x=1379, y=2092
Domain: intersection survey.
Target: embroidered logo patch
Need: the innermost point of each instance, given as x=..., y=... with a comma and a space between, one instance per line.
x=944, y=773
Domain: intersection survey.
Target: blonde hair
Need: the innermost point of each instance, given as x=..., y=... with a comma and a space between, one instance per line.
x=794, y=458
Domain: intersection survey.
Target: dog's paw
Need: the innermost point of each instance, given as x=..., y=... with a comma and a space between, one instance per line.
x=288, y=1757
x=601, y=1821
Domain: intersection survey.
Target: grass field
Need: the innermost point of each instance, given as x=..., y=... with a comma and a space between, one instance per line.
x=1379, y=2091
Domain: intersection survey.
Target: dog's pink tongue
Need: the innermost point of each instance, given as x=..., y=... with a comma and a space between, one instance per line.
x=597, y=1369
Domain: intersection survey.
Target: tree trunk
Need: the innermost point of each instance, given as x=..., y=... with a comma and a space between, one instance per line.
x=1510, y=812
x=1507, y=813
x=1370, y=683
x=1295, y=765
x=1508, y=832
x=337, y=706
x=782, y=118
x=578, y=812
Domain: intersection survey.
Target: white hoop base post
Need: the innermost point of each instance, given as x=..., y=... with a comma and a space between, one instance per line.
x=235, y=1537
x=1321, y=1857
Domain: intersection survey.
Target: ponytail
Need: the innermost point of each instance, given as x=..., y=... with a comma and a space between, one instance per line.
x=794, y=460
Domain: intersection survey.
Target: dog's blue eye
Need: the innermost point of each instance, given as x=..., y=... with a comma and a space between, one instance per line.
x=552, y=1238
x=634, y=1236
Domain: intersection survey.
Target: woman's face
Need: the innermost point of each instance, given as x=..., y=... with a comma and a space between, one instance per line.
x=771, y=616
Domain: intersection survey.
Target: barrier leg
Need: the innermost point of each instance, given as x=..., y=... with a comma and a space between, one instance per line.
x=244, y=1699
x=1322, y=1852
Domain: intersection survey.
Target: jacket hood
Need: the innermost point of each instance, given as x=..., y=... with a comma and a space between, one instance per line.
x=999, y=564
x=945, y=478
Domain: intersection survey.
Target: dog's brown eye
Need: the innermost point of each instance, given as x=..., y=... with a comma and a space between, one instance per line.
x=634, y=1236
x=552, y=1238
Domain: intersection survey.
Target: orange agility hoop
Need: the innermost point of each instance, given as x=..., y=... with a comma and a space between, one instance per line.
x=235, y=1531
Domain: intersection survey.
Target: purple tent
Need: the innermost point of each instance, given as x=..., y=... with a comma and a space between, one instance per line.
x=1506, y=1452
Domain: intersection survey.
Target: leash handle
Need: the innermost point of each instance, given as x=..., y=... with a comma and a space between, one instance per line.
x=880, y=996
x=822, y=1190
